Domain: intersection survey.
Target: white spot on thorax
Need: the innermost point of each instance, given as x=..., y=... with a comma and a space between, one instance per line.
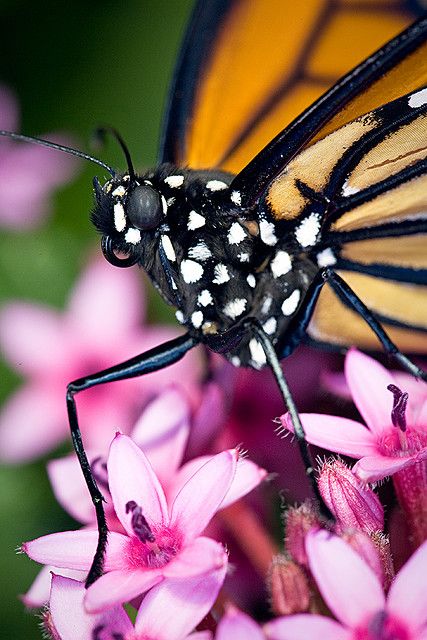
x=306, y=233
x=221, y=274
x=347, y=190
x=164, y=204
x=204, y=298
x=236, y=234
x=281, y=264
x=179, y=316
x=243, y=257
x=197, y=319
x=119, y=191
x=133, y=236
x=266, y=305
x=418, y=99
x=235, y=308
x=251, y=280
x=236, y=198
x=168, y=247
x=195, y=221
x=170, y=201
x=216, y=185
x=326, y=258
x=267, y=232
x=174, y=181
x=191, y=271
x=270, y=326
x=290, y=304
x=119, y=217
x=235, y=361
x=257, y=353
x=200, y=252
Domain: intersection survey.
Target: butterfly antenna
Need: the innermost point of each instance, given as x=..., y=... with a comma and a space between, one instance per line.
x=58, y=147
x=101, y=132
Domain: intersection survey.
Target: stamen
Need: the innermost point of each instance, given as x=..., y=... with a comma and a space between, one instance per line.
x=398, y=412
x=138, y=523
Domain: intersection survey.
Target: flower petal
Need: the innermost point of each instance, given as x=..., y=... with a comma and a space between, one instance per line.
x=198, y=593
x=304, y=626
x=349, y=587
x=368, y=381
x=70, y=489
x=201, y=556
x=202, y=495
x=70, y=618
x=38, y=594
x=74, y=549
x=236, y=625
x=407, y=597
x=131, y=477
x=248, y=476
x=118, y=587
x=335, y=434
x=377, y=467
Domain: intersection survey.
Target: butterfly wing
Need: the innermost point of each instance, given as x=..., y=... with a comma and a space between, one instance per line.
x=249, y=67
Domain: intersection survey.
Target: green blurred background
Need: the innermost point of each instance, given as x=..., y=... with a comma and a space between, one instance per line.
x=73, y=66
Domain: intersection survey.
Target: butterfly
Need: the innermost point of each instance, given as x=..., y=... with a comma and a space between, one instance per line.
x=289, y=203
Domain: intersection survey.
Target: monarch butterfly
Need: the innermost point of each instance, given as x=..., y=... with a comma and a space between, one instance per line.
x=246, y=219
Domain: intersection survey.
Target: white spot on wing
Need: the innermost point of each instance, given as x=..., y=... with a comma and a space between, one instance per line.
x=221, y=274
x=216, y=185
x=191, y=271
x=306, y=233
x=235, y=308
x=326, y=258
x=236, y=234
x=174, y=181
x=133, y=236
x=200, y=252
x=281, y=264
x=251, y=280
x=197, y=319
x=243, y=257
x=347, y=190
x=270, y=326
x=204, y=298
x=235, y=361
x=164, y=204
x=418, y=99
x=289, y=306
x=257, y=353
x=236, y=198
x=179, y=316
x=195, y=221
x=168, y=247
x=268, y=233
x=119, y=217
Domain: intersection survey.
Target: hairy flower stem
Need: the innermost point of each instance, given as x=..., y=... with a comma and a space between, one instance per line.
x=250, y=534
x=411, y=489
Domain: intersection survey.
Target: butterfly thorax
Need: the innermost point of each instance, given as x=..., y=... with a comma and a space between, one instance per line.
x=216, y=262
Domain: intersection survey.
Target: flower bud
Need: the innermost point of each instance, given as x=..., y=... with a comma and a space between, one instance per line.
x=298, y=522
x=354, y=505
x=288, y=587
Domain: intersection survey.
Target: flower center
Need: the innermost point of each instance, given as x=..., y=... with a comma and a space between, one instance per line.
x=382, y=626
x=111, y=635
x=405, y=439
x=151, y=546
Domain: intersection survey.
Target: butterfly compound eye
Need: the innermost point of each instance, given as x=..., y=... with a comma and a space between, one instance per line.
x=144, y=208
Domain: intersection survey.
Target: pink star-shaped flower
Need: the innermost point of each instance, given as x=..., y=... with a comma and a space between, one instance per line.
x=161, y=540
x=383, y=446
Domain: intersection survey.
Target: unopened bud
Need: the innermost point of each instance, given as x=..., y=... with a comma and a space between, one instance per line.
x=382, y=543
x=354, y=505
x=288, y=586
x=298, y=522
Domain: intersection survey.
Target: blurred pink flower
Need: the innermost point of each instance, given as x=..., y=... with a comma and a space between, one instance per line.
x=161, y=615
x=160, y=542
x=384, y=447
x=99, y=328
x=28, y=173
x=236, y=625
x=355, y=596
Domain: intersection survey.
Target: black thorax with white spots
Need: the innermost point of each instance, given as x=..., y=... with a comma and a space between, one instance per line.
x=217, y=263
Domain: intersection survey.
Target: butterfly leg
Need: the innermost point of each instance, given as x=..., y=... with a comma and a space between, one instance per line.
x=347, y=295
x=274, y=364
x=152, y=360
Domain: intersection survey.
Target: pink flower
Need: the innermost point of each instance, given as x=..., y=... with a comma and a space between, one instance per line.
x=236, y=625
x=161, y=615
x=385, y=446
x=160, y=542
x=28, y=173
x=100, y=327
x=355, y=596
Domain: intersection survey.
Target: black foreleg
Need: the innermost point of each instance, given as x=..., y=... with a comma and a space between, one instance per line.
x=150, y=361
